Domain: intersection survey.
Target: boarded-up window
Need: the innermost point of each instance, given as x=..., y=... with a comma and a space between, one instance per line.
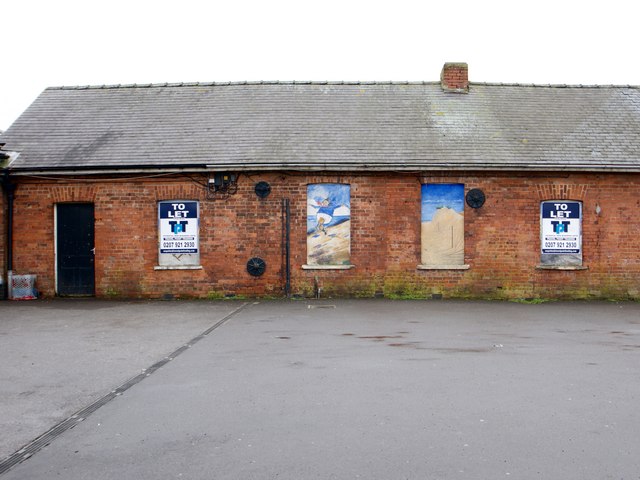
x=328, y=224
x=442, y=224
x=561, y=233
x=178, y=226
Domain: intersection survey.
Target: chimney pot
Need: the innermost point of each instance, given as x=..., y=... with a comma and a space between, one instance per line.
x=455, y=77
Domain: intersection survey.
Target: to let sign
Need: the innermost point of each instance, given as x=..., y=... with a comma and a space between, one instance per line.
x=178, y=227
x=561, y=223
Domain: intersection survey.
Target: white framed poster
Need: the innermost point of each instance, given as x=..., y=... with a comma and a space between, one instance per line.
x=178, y=227
x=561, y=232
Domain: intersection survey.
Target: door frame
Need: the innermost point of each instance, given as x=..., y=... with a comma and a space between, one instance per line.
x=55, y=245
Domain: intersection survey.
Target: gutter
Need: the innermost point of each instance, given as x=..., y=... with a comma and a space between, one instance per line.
x=108, y=170
x=335, y=167
x=8, y=187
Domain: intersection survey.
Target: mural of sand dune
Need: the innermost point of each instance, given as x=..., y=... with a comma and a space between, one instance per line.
x=330, y=248
x=443, y=238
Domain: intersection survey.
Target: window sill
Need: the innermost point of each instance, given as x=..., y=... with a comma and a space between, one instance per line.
x=178, y=267
x=443, y=267
x=327, y=267
x=561, y=267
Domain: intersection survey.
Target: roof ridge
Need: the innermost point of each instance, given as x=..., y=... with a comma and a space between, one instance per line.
x=236, y=83
x=323, y=82
x=551, y=85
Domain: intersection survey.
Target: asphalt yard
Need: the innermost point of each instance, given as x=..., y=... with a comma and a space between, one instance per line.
x=319, y=389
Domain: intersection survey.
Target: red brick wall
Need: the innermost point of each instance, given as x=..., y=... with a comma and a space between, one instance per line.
x=385, y=231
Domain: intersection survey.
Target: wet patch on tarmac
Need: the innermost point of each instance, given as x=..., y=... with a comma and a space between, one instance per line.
x=461, y=350
x=511, y=335
x=415, y=345
x=379, y=338
x=421, y=359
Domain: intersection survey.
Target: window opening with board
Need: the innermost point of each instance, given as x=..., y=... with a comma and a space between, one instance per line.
x=178, y=229
x=328, y=226
x=560, y=233
x=442, y=226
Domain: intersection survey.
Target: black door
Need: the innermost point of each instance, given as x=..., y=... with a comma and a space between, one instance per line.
x=75, y=248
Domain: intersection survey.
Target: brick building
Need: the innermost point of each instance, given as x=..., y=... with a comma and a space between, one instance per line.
x=449, y=188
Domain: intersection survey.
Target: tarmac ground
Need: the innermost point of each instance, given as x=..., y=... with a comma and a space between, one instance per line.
x=319, y=389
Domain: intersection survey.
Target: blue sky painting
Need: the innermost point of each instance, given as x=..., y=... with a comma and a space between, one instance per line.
x=437, y=195
x=336, y=193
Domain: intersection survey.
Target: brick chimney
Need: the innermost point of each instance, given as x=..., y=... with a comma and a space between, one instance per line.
x=455, y=77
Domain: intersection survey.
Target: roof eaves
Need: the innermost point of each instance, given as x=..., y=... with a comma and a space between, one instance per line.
x=331, y=166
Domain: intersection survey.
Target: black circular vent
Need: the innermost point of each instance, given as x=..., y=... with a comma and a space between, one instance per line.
x=263, y=189
x=256, y=266
x=475, y=198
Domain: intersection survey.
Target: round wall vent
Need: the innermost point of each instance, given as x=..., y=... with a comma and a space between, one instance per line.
x=256, y=266
x=475, y=198
x=263, y=189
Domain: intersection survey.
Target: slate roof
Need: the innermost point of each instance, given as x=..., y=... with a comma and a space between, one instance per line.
x=329, y=126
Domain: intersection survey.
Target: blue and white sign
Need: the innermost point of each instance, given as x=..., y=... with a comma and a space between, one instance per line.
x=561, y=224
x=178, y=227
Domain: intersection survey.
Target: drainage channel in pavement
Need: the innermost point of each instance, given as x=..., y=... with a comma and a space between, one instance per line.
x=45, y=439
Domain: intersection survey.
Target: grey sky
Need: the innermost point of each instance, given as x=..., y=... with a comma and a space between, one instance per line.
x=73, y=42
